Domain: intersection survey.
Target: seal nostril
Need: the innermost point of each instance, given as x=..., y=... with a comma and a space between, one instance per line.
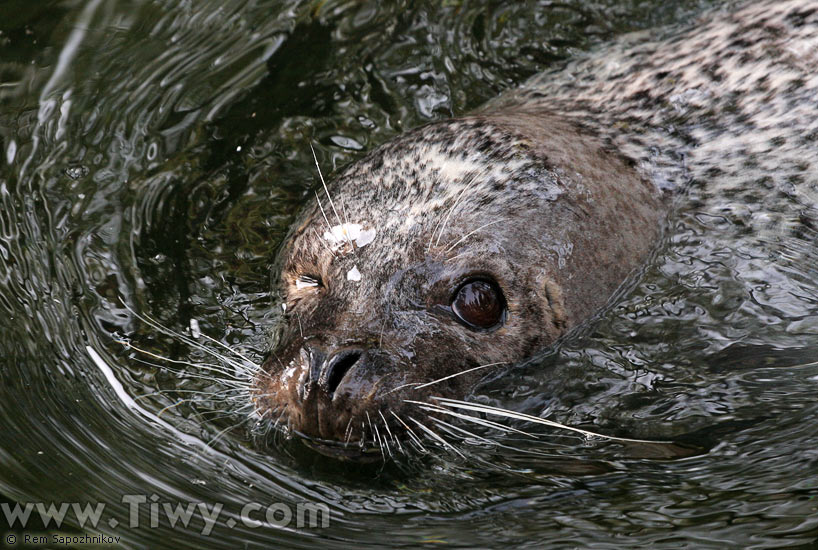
x=337, y=367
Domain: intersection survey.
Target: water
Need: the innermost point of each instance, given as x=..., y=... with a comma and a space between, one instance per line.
x=153, y=155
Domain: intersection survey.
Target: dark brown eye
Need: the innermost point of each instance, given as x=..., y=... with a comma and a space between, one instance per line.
x=479, y=304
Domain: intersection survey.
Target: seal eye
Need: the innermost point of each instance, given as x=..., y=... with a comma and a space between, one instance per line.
x=480, y=304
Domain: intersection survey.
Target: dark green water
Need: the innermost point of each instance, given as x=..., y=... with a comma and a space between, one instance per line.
x=153, y=155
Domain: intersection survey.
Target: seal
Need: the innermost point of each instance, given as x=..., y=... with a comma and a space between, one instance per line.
x=475, y=242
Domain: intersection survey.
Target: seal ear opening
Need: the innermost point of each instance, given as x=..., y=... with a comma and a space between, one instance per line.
x=553, y=295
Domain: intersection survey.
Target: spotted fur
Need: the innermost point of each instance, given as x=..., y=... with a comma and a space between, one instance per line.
x=729, y=106
x=555, y=190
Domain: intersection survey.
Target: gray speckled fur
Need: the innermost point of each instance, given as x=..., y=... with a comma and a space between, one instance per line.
x=556, y=190
x=730, y=104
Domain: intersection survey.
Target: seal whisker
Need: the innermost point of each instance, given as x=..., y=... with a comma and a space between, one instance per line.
x=398, y=388
x=362, y=441
x=172, y=406
x=331, y=203
x=243, y=374
x=261, y=427
x=319, y=237
x=443, y=429
x=389, y=432
x=450, y=258
x=227, y=377
x=376, y=436
x=383, y=443
x=468, y=185
x=232, y=385
x=228, y=348
x=380, y=336
x=489, y=464
x=412, y=435
x=465, y=432
x=210, y=394
x=348, y=432
x=344, y=210
x=460, y=374
x=218, y=369
x=469, y=418
x=221, y=433
x=269, y=412
x=300, y=329
x=278, y=419
x=324, y=214
x=535, y=419
x=436, y=437
x=486, y=440
x=467, y=235
x=213, y=416
x=418, y=385
x=193, y=343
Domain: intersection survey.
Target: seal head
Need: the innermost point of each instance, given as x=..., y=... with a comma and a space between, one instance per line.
x=460, y=245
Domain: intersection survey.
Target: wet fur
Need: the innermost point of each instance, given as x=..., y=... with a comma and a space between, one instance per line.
x=557, y=190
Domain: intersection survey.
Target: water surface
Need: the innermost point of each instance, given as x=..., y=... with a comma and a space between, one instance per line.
x=153, y=156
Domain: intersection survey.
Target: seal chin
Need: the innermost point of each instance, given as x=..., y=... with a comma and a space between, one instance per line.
x=341, y=450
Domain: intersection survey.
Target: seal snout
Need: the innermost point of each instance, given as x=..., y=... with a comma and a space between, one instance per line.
x=337, y=388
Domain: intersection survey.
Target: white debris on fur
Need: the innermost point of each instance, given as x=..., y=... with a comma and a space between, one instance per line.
x=342, y=234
